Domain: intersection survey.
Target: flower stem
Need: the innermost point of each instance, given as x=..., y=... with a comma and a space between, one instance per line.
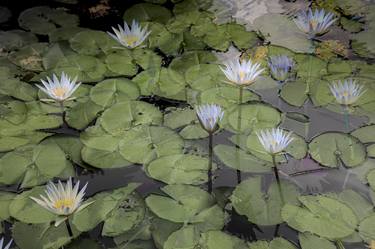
x=275, y=171
x=61, y=103
x=339, y=244
x=346, y=118
x=69, y=228
x=239, y=131
x=210, y=154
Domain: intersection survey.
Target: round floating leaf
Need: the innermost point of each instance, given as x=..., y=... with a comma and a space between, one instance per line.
x=24, y=209
x=331, y=147
x=147, y=12
x=147, y=58
x=103, y=204
x=147, y=80
x=169, y=43
x=183, y=169
x=371, y=179
x=30, y=56
x=188, y=59
x=321, y=215
x=121, y=63
x=43, y=20
x=110, y=91
x=310, y=241
x=64, y=33
x=226, y=96
x=277, y=243
x=263, y=208
x=91, y=42
x=36, y=236
x=240, y=37
x=95, y=137
x=5, y=199
x=14, y=39
x=367, y=229
x=365, y=134
x=171, y=82
x=122, y=116
x=84, y=243
x=204, y=76
x=310, y=67
x=295, y=93
x=290, y=36
x=186, y=204
x=253, y=117
x=82, y=114
x=142, y=144
x=103, y=159
x=236, y=158
x=178, y=117
x=125, y=218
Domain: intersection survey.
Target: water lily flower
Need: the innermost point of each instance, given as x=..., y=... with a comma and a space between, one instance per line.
x=274, y=140
x=2, y=244
x=346, y=92
x=62, y=200
x=209, y=116
x=280, y=67
x=59, y=89
x=132, y=36
x=314, y=23
x=241, y=72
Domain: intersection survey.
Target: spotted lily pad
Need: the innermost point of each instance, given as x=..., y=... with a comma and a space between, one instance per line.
x=332, y=148
x=321, y=215
x=263, y=208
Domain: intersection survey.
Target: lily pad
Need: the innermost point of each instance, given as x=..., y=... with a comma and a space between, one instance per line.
x=14, y=39
x=121, y=63
x=365, y=134
x=187, y=204
x=263, y=208
x=91, y=42
x=253, y=117
x=295, y=93
x=43, y=19
x=290, y=36
x=321, y=215
x=330, y=148
x=182, y=169
x=147, y=12
x=236, y=158
x=366, y=228
x=142, y=144
x=5, y=199
x=125, y=115
x=277, y=243
x=310, y=241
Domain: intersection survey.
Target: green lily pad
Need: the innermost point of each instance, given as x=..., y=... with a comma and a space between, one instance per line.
x=110, y=91
x=226, y=96
x=120, y=62
x=36, y=236
x=182, y=169
x=171, y=82
x=147, y=80
x=253, y=117
x=192, y=58
x=366, y=228
x=169, y=43
x=102, y=207
x=24, y=209
x=236, y=158
x=146, y=58
x=64, y=33
x=30, y=56
x=147, y=12
x=14, y=39
x=290, y=36
x=187, y=204
x=321, y=215
x=142, y=144
x=310, y=241
x=277, y=243
x=103, y=159
x=263, y=208
x=295, y=93
x=125, y=115
x=43, y=19
x=365, y=134
x=332, y=147
x=310, y=67
x=91, y=42
x=31, y=165
x=204, y=76
x=82, y=114
x=5, y=199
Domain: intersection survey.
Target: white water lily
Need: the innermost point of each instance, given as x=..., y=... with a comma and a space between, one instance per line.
x=240, y=72
x=2, y=244
x=346, y=92
x=280, y=66
x=274, y=140
x=209, y=116
x=62, y=200
x=132, y=36
x=314, y=23
x=59, y=89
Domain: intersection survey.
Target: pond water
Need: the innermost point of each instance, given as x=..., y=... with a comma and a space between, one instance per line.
x=131, y=130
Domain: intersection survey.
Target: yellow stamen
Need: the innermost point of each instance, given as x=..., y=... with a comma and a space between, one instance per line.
x=59, y=91
x=242, y=75
x=313, y=24
x=131, y=40
x=345, y=94
x=64, y=203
